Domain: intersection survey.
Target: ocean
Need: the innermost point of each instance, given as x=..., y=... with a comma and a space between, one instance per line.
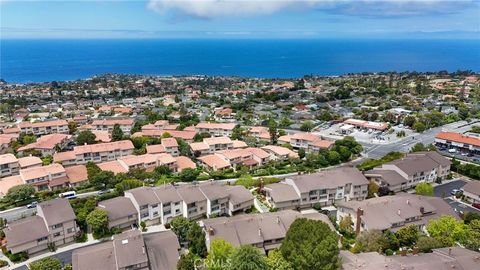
x=24, y=61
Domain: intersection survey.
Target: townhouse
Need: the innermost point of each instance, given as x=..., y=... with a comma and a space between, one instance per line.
x=186, y=135
x=471, y=192
x=108, y=124
x=121, y=213
x=260, y=133
x=264, y=231
x=48, y=177
x=54, y=225
x=216, y=129
x=249, y=157
x=407, y=172
x=44, y=128
x=211, y=145
x=393, y=212
x=461, y=142
x=146, y=162
x=324, y=188
x=8, y=165
x=309, y=142
x=95, y=153
x=47, y=145
x=161, y=204
x=130, y=250
x=279, y=152
x=171, y=146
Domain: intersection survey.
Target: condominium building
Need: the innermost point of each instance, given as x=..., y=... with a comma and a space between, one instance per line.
x=323, y=188
x=393, y=212
x=121, y=213
x=146, y=162
x=47, y=145
x=216, y=129
x=265, y=231
x=211, y=145
x=108, y=124
x=307, y=141
x=95, y=153
x=407, y=172
x=54, y=225
x=44, y=128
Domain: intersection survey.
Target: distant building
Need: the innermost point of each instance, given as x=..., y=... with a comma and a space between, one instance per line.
x=216, y=129
x=309, y=142
x=463, y=143
x=44, y=128
x=47, y=145
x=323, y=188
x=126, y=125
x=96, y=153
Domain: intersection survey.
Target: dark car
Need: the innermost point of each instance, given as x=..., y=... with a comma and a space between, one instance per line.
x=476, y=205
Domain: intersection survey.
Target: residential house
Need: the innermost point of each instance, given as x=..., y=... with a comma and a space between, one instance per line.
x=306, y=141
x=47, y=145
x=471, y=191
x=126, y=125
x=211, y=145
x=279, y=152
x=216, y=129
x=121, y=212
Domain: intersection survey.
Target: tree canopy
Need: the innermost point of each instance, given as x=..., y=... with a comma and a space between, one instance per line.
x=85, y=137
x=20, y=192
x=425, y=189
x=48, y=263
x=247, y=257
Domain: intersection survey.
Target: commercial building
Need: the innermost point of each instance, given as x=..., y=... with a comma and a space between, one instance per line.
x=457, y=141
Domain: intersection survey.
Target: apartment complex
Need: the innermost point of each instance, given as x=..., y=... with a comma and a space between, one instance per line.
x=309, y=142
x=146, y=162
x=265, y=231
x=95, y=153
x=108, y=124
x=44, y=128
x=130, y=251
x=211, y=145
x=54, y=224
x=407, y=172
x=47, y=145
x=461, y=142
x=324, y=188
x=279, y=152
x=121, y=213
x=161, y=204
x=216, y=129
x=393, y=212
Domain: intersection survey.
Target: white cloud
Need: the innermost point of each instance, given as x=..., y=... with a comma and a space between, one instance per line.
x=242, y=8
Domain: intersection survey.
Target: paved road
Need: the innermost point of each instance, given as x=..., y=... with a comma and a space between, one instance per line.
x=65, y=257
x=458, y=206
x=445, y=189
x=21, y=212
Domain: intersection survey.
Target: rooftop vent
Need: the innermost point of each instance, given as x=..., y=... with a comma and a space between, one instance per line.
x=125, y=241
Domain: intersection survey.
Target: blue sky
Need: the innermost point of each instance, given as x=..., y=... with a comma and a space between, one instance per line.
x=240, y=19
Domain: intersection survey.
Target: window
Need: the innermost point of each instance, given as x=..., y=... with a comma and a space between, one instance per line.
x=144, y=207
x=144, y=215
x=42, y=239
x=57, y=234
x=70, y=230
x=56, y=226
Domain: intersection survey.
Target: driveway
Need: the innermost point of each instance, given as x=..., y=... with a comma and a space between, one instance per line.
x=458, y=206
x=445, y=189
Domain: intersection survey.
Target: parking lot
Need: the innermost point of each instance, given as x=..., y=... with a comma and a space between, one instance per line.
x=444, y=191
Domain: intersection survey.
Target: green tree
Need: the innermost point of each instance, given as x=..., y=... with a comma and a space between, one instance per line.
x=425, y=189
x=128, y=184
x=307, y=126
x=273, y=130
x=408, y=236
x=426, y=244
x=196, y=240
x=102, y=179
x=85, y=137
x=472, y=238
x=409, y=120
x=275, y=261
x=470, y=216
x=419, y=126
x=27, y=139
x=220, y=252
x=186, y=262
x=372, y=189
x=181, y=226
x=370, y=241
x=20, y=193
x=247, y=257
x=188, y=175
x=301, y=153
x=418, y=147
x=333, y=157
x=237, y=133
x=98, y=220
x=447, y=229
x=48, y=263
x=72, y=127
x=92, y=169
x=311, y=244
x=117, y=133
x=345, y=225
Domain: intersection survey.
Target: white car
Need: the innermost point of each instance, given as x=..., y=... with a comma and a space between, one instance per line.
x=452, y=150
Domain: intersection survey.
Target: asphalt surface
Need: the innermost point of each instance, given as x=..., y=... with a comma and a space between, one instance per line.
x=65, y=257
x=460, y=207
x=445, y=189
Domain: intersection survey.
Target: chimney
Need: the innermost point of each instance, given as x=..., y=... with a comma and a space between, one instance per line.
x=211, y=231
x=449, y=251
x=422, y=209
x=359, y=220
x=259, y=232
x=408, y=202
x=399, y=212
x=278, y=220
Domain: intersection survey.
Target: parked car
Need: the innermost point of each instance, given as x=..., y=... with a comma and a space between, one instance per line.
x=452, y=150
x=476, y=205
x=455, y=191
x=32, y=205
